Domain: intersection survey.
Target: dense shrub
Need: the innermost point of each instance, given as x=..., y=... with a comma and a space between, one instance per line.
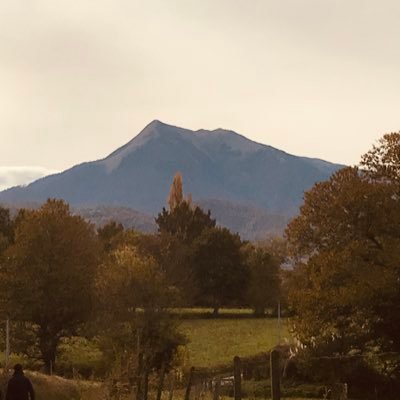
x=80, y=357
x=366, y=377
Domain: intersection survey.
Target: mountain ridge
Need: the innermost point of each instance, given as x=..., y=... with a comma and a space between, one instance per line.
x=218, y=164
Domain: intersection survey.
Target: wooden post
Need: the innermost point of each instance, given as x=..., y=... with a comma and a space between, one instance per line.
x=139, y=377
x=279, y=323
x=339, y=391
x=197, y=392
x=161, y=380
x=217, y=389
x=189, y=385
x=171, y=385
x=7, y=352
x=138, y=333
x=146, y=382
x=275, y=375
x=237, y=374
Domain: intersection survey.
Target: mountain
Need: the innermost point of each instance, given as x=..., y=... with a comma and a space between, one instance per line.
x=219, y=164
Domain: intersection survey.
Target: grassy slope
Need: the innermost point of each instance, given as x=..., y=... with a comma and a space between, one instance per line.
x=56, y=388
x=216, y=341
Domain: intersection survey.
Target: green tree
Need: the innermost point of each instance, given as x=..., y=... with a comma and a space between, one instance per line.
x=263, y=287
x=183, y=219
x=185, y=222
x=175, y=259
x=48, y=278
x=219, y=268
x=111, y=235
x=276, y=246
x=178, y=228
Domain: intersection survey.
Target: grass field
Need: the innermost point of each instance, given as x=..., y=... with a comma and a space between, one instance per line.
x=211, y=342
x=216, y=341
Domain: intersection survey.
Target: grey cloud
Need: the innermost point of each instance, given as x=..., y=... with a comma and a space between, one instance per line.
x=15, y=176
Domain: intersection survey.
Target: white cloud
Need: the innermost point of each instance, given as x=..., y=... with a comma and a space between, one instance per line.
x=21, y=175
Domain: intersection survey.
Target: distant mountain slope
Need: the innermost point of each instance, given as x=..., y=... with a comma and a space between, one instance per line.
x=217, y=164
x=128, y=217
x=101, y=215
x=250, y=222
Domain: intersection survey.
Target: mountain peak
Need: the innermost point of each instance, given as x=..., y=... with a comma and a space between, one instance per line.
x=155, y=124
x=218, y=164
x=150, y=131
x=204, y=140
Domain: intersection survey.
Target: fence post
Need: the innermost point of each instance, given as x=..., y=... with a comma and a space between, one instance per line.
x=217, y=389
x=7, y=352
x=171, y=385
x=275, y=375
x=339, y=391
x=161, y=380
x=139, y=377
x=146, y=381
x=237, y=375
x=189, y=385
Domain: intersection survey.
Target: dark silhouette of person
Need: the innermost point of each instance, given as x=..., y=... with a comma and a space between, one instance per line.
x=19, y=386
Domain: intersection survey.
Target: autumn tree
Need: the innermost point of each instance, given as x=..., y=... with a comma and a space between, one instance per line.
x=382, y=162
x=6, y=229
x=48, y=278
x=175, y=197
x=6, y=239
x=346, y=246
x=219, y=268
x=134, y=297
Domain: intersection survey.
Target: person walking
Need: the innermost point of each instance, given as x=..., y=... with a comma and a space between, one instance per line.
x=19, y=387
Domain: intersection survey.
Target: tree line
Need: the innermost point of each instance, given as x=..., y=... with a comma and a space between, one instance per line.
x=61, y=276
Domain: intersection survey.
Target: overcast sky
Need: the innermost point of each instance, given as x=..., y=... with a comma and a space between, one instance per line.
x=78, y=79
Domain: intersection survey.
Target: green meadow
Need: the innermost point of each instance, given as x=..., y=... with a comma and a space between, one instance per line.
x=213, y=342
